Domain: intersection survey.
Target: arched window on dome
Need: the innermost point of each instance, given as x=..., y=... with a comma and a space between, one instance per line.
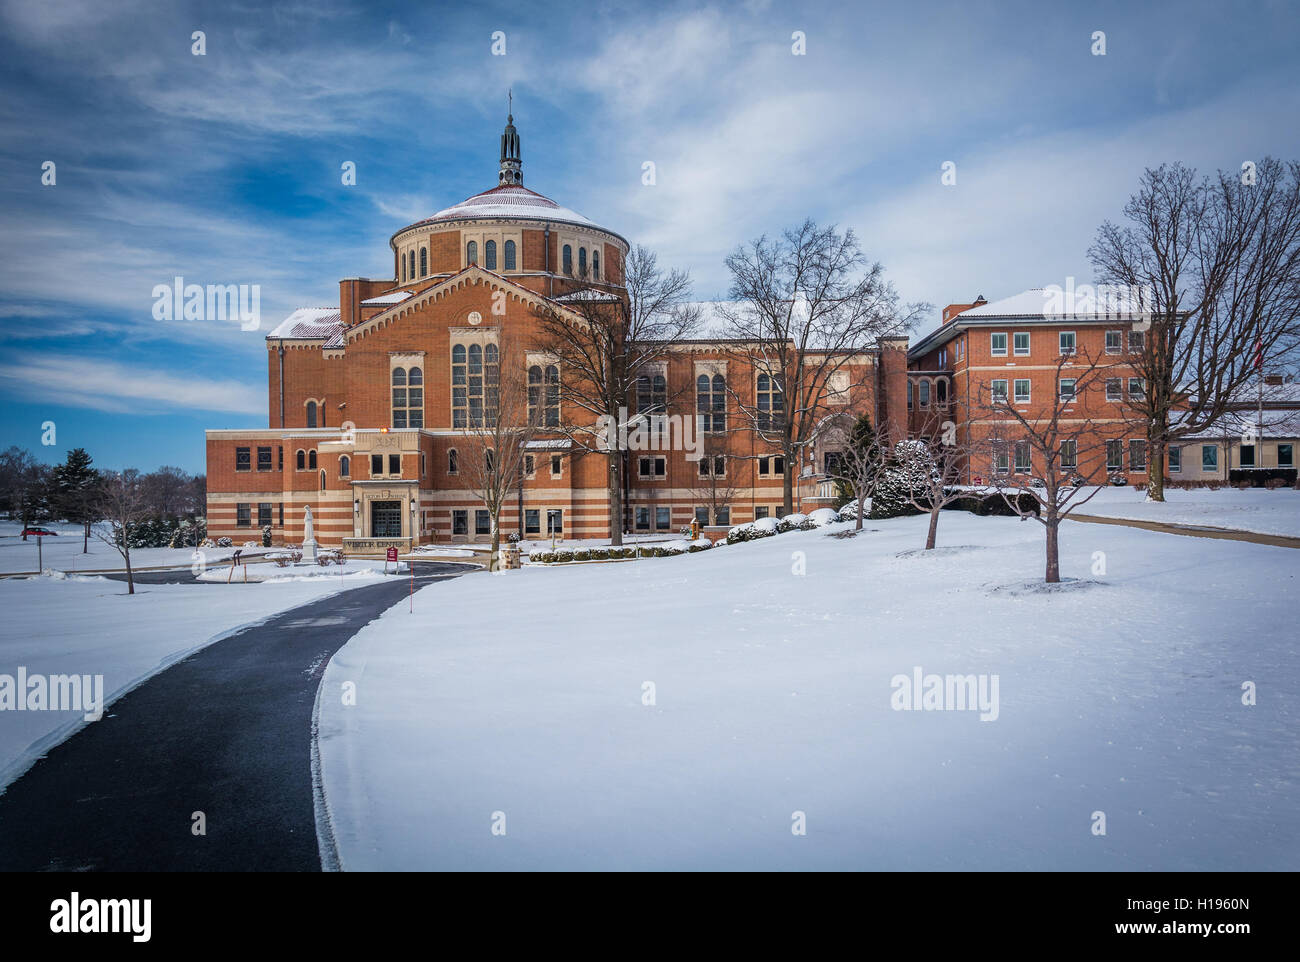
x=490, y=255
x=402, y=266
x=411, y=275
x=568, y=259
x=510, y=255
x=582, y=262
x=595, y=265
x=471, y=253
x=424, y=261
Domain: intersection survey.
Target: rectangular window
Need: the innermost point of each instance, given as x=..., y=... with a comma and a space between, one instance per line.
x=264, y=458
x=555, y=521
x=243, y=459
x=530, y=465
x=1069, y=455
x=1022, y=343
x=652, y=467
x=482, y=521
x=557, y=465
x=760, y=512
x=395, y=464
x=643, y=519
x=1067, y=342
x=532, y=521
x=1114, y=389
x=1137, y=455
x=702, y=515
x=1137, y=341
x=998, y=344
x=1023, y=462
x=1022, y=390
x=1175, y=460
x=263, y=513
x=1248, y=455
x=1137, y=388
x=1114, y=342
x=722, y=515
x=460, y=522
x=282, y=514
x=279, y=458
x=1067, y=388
x=1001, y=460
x=241, y=514
x=1209, y=457
x=1114, y=455
x=1285, y=456
x=376, y=465
x=1000, y=391
x=663, y=517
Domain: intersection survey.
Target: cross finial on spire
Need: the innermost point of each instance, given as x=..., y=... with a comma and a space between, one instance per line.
x=510, y=110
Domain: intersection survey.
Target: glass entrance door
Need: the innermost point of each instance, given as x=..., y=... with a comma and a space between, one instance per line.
x=385, y=519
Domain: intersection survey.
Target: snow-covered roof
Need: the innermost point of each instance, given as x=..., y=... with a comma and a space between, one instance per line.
x=392, y=297
x=312, y=323
x=513, y=202
x=1275, y=424
x=588, y=294
x=1100, y=302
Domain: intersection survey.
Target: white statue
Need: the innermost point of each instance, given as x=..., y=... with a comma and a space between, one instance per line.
x=308, y=537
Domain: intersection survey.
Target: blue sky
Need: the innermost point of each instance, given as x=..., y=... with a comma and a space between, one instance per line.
x=225, y=168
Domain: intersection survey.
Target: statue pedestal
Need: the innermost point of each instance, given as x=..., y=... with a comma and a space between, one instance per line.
x=309, y=552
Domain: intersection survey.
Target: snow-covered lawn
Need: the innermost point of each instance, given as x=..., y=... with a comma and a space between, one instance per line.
x=63, y=552
x=1255, y=509
x=524, y=696
x=89, y=625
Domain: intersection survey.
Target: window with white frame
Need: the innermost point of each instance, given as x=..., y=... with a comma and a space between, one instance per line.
x=1001, y=458
x=1114, y=342
x=1137, y=388
x=1137, y=342
x=1023, y=463
x=408, y=397
x=998, y=344
x=1137, y=455
x=1067, y=342
x=1069, y=454
x=1067, y=388
x=652, y=466
x=1021, y=343
x=1114, y=389
x=1114, y=455
x=1022, y=390
x=998, y=390
x=711, y=402
x=544, y=395
x=1209, y=457
x=771, y=402
x=1175, y=459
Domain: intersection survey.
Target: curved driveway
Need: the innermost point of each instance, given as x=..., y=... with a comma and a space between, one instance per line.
x=226, y=732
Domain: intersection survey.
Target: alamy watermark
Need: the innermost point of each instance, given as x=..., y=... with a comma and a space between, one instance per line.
x=211, y=302
x=921, y=692
x=37, y=692
x=651, y=432
x=1093, y=301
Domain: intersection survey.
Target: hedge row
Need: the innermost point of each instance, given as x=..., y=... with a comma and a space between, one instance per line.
x=566, y=555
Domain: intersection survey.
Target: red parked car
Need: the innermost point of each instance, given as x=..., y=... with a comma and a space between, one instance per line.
x=39, y=533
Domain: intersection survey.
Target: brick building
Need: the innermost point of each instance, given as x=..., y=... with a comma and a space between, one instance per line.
x=369, y=400
x=1042, y=353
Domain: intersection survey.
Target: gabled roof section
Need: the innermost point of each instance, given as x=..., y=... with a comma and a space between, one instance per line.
x=309, y=323
x=469, y=276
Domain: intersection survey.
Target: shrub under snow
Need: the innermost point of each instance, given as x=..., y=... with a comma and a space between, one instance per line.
x=823, y=516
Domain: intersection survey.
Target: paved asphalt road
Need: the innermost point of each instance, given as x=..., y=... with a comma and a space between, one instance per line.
x=226, y=732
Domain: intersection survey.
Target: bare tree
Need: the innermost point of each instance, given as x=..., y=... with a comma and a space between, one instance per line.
x=496, y=438
x=1217, y=262
x=1049, y=460
x=123, y=505
x=806, y=306
x=603, y=341
x=938, y=469
x=861, y=458
x=716, y=486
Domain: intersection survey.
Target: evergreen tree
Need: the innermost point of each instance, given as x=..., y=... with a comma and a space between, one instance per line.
x=74, y=489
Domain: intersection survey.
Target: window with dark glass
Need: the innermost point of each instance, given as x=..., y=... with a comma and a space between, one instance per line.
x=568, y=259
x=242, y=515
x=711, y=402
x=510, y=255
x=376, y=465
x=263, y=513
x=264, y=458
x=243, y=459
x=490, y=255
